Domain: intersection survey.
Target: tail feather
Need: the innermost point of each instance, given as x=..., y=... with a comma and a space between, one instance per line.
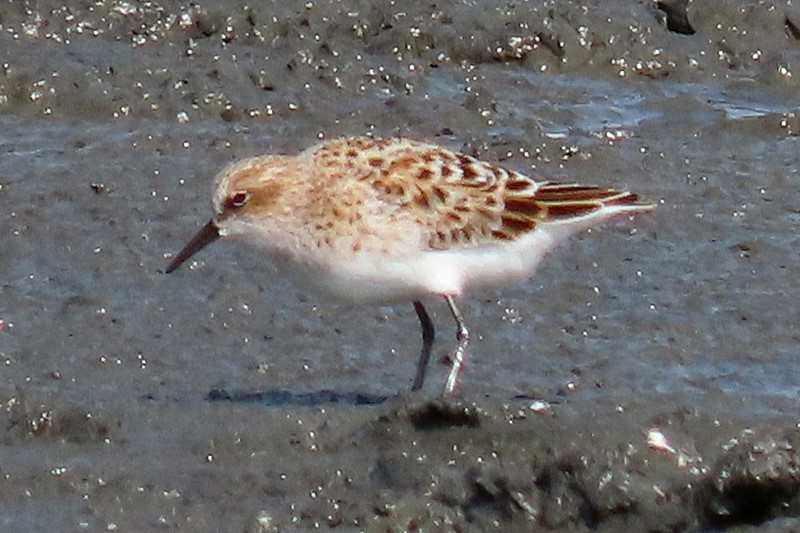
x=570, y=206
x=570, y=200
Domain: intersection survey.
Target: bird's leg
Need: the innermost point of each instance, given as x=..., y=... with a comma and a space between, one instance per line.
x=428, y=333
x=462, y=335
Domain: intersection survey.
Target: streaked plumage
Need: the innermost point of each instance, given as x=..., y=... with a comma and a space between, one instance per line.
x=384, y=219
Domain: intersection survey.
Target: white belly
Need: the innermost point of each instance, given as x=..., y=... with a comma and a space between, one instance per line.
x=375, y=278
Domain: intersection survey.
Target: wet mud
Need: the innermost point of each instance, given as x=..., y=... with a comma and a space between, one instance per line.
x=645, y=379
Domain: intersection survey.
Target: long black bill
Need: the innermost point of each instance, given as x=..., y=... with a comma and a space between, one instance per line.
x=207, y=234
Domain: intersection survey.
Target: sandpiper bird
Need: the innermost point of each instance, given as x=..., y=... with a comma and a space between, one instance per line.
x=365, y=219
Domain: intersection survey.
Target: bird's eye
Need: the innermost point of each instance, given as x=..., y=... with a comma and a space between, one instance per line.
x=238, y=199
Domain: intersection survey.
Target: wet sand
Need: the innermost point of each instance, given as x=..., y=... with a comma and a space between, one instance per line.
x=645, y=379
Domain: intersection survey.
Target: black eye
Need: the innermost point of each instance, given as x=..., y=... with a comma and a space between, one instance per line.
x=238, y=199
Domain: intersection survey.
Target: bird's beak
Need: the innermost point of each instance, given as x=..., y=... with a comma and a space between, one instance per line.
x=207, y=234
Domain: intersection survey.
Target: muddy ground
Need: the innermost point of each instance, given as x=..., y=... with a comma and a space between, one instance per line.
x=645, y=379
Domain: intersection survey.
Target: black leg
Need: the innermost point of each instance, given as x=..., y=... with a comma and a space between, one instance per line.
x=428, y=334
x=462, y=335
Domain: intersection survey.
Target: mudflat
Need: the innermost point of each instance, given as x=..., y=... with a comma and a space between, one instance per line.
x=644, y=379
